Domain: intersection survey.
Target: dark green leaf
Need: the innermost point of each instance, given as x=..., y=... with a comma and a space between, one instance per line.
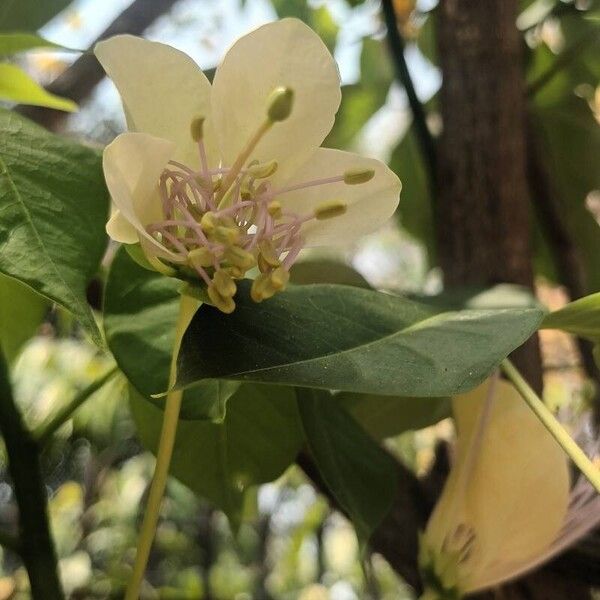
x=358, y=472
x=53, y=208
x=259, y=438
x=415, y=209
x=21, y=312
x=569, y=137
x=140, y=314
x=351, y=339
x=387, y=416
x=360, y=101
x=326, y=271
x=28, y=15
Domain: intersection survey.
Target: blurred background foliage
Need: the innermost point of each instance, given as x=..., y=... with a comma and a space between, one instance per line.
x=290, y=545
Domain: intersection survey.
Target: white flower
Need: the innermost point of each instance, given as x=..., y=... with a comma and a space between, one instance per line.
x=217, y=179
x=505, y=501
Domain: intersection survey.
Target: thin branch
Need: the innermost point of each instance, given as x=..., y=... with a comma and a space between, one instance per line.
x=37, y=548
x=79, y=80
x=396, y=46
x=563, y=60
x=45, y=430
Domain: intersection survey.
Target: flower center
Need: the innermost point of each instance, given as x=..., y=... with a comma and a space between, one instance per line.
x=224, y=221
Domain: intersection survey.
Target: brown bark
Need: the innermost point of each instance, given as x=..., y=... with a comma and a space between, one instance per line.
x=483, y=191
x=483, y=208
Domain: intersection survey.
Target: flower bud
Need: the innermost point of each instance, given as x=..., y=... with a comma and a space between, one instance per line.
x=355, y=176
x=280, y=104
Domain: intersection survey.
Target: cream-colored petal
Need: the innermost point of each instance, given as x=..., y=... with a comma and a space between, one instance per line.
x=369, y=204
x=120, y=229
x=132, y=164
x=162, y=90
x=511, y=487
x=283, y=53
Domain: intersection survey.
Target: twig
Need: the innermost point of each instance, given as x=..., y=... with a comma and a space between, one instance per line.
x=37, y=548
x=396, y=46
x=45, y=430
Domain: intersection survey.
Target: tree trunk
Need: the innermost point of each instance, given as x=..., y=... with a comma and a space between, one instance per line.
x=483, y=209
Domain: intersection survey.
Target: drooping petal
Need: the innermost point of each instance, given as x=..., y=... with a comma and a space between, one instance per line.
x=132, y=164
x=284, y=53
x=509, y=485
x=162, y=90
x=369, y=204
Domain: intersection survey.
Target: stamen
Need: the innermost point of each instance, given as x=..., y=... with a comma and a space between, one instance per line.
x=328, y=210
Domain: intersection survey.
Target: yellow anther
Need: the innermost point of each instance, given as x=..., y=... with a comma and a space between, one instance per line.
x=274, y=209
x=197, y=128
x=201, y=257
x=279, y=278
x=235, y=272
x=238, y=257
x=280, y=104
x=268, y=253
x=355, y=176
x=223, y=303
x=208, y=223
x=224, y=284
x=262, y=170
x=227, y=235
x=262, y=288
x=246, y=194
x=327, y=210
x=217, y=185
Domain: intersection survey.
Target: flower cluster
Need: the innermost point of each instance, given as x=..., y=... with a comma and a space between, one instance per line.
x=227, y=180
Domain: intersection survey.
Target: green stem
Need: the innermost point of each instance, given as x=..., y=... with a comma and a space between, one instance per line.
x=560, y=434
x=35, y=541
x=187, y=308
x=43, y=432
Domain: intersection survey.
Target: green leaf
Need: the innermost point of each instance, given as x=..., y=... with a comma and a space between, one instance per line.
x=360, y=101
x=581, y=317
x=21, y=312
x=569, y=136
x=350, y=339
x=28, y=15
x=53, y=209
x=326, y=271
x=416, y=209
x=259, y=438
x=15, y=42
x=358, y=472
x=17, y=86
x=387, y=416
x=140, y=314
